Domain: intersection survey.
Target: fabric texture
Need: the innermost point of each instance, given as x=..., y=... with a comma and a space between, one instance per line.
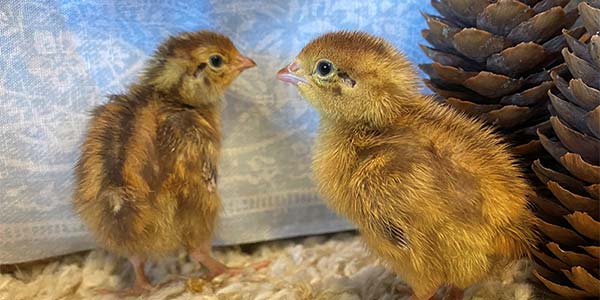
x=60, y=58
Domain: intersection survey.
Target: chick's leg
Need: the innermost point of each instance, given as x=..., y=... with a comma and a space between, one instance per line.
x=203, y=256
x=455, y=293
x=141, y=284
x=215, y=268
x=423, y=297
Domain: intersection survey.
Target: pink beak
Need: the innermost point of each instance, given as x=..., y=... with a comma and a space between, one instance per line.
x=244, y=62
x=288, y=74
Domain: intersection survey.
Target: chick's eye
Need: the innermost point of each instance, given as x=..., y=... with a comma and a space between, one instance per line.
x=324, y=68
x=216, y=61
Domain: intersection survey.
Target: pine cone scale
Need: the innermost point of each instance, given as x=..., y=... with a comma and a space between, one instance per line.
x=576, y=123
x=503, y=16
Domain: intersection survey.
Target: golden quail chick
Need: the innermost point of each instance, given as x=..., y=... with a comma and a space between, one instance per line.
x=146, y=178
x=434, y=193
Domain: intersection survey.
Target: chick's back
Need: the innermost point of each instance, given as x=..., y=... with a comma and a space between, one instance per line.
x=114, y=200
x=130, y=199
x=467, y=156
x=433, y=192
x=437, y=191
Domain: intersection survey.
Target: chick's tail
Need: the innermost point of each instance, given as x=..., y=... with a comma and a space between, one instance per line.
x=123, y=216
x=520, y=238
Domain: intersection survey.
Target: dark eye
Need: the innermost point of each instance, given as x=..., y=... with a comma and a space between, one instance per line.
x=324, y=68
x=216, y=61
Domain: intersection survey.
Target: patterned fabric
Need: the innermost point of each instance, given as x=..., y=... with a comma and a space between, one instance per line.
x=60, y=58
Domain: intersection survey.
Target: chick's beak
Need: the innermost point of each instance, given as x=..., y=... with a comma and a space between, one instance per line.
x=244, y=62
x=289, y=74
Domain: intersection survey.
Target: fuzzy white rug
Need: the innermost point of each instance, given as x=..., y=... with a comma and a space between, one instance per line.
x=314, y=268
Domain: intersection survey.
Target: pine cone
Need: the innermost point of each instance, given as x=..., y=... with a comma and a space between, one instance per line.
x=492, y=59
x=570, y=213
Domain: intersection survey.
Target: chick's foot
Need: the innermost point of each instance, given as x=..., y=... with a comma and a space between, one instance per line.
x=233, y=271
x=140, y=287
x=215, y=268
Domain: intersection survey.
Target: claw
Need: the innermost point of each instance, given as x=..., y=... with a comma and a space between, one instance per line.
x=234, y=271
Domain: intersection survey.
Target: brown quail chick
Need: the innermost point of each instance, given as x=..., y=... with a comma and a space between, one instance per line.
x=434, y=193
x=146, y=179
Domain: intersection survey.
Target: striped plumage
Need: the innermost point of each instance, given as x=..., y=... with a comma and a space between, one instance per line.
x=146, y=178
x=140, y=172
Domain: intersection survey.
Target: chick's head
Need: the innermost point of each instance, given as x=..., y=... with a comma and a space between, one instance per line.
x=196, y=67
x=353, y=77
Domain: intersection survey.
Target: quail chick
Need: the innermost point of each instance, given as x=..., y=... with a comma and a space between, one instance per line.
x=434, y=193
x=146, y=178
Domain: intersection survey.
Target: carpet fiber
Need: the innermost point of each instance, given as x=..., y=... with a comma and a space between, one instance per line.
x=323, y=267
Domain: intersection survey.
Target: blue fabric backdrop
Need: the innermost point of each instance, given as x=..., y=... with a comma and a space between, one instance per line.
x=59, y=58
